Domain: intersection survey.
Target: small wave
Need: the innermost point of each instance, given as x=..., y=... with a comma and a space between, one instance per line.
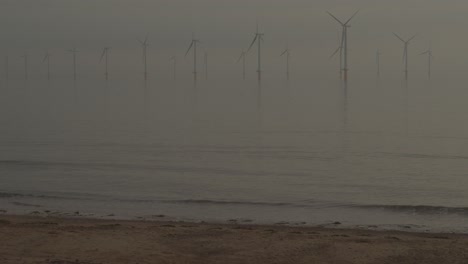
x=224, y=202
x=420, y=209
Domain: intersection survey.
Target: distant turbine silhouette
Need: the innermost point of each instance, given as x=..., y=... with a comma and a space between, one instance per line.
x=429, y=62
x=174, y=73
x=242, y=57
x=287, y=52
x=74, y=51
x=47, y=58
x=25, y=57
x=144, y=46
x=193, y=45
x=105, y=55
x=344, y=42
x=405, y=52
x=206, y=65
x=258, y=38
x=377, y=58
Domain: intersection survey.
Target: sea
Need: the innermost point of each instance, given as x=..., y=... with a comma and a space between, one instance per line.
x=76, y=164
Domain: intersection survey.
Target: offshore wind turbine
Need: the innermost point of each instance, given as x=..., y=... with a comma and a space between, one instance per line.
x=242, y=57
x=47, y=58
x=287, y=52
x=105, y=56
x=25, y=57
x=344, y=43
x=405, y=52
x=174, y=65
x=74, y=51
x=429, y=61
x=258, y=38
x=144, y=47
x=193, y=45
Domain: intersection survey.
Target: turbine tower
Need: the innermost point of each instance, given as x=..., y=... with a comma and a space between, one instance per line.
x=258, y=38
x=193, y=45
x=340, y=50
x=287, y=52
x=47, y=58
x=429, y=61
x=144, y=47
x=25, y=57
x=242, y=57
x=405, y=52
x=174, y=73
x=105, y=55
x=344, y=43
x=74, y=51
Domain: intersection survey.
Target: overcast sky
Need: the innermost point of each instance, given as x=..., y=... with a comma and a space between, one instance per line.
x=226, y=27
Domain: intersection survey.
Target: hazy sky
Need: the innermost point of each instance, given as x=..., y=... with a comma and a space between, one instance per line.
x=226, y=27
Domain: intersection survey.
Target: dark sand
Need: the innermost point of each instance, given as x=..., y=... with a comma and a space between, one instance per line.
x=25, y=239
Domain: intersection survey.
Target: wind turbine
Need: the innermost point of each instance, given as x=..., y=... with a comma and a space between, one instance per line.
x=377, y=60
x=242, y=57
x=287, y=52
x=174, y=59
x=344, y=42
x=258, y=38
x=405, y=52
x=47, y=58
x=206, y=65
x=74, y=51
x=105, y=55
x=429, y=58
x=144, y=46
x=25, y=57
x=193, y=45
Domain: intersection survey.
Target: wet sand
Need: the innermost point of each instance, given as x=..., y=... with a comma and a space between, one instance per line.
x=28, y=239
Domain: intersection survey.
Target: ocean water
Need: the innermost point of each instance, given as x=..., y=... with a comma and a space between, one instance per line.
x=102, y=152
x=265, y=177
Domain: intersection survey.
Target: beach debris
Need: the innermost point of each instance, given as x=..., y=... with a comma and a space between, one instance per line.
x=337, y=223
x=3, y=211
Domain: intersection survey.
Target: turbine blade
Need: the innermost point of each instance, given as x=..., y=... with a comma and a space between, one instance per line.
x=146, y=39
x=141, y=42
x=45, y=57
x=285, y=51
x=398, y=37
x=253, y=42
x=334, y=53
x=412, y=37
x=190, y=47
x=426, y=52
x=102, y=55
x=352, y=17
x=335, y=18
x=240, y=57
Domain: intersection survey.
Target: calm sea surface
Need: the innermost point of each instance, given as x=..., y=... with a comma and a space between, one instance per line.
x=358, y=179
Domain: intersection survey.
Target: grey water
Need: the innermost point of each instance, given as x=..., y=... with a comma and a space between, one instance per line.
x=96, y=148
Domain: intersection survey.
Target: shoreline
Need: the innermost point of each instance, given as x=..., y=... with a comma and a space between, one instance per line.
x=51, y=240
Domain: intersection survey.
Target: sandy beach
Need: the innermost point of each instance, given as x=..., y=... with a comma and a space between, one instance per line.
x=27, y=239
